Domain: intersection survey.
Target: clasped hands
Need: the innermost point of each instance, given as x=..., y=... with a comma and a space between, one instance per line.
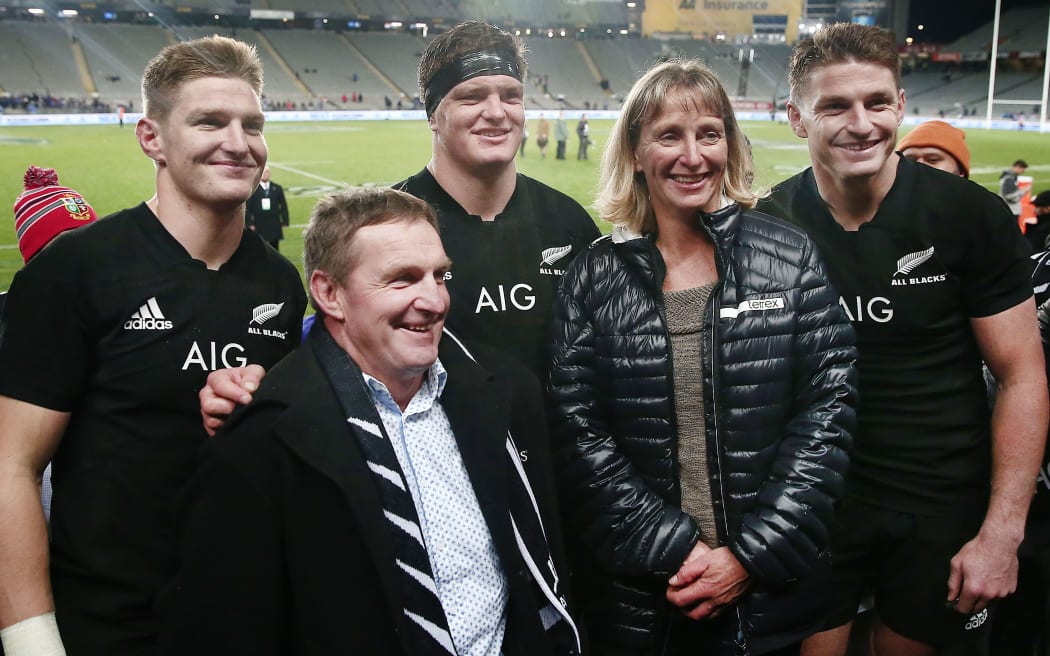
x=708, y=582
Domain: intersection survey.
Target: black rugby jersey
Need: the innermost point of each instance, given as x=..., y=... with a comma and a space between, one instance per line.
x=504, y=271
x=118, y=325
x=939, y=251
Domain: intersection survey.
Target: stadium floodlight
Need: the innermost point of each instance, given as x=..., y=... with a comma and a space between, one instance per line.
x=36, y=11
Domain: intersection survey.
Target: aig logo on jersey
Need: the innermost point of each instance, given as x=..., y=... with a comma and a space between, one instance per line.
x=261, y=315
x=550, y=256
x=148, y=317
x=909, y=263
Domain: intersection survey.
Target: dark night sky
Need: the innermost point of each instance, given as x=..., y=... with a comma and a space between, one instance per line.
x=947, y=20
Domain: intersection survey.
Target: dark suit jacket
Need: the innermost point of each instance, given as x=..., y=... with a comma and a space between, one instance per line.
x=283, y=545
x=267, y=223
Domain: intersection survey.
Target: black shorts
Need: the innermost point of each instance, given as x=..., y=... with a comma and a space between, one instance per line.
x=903, y=561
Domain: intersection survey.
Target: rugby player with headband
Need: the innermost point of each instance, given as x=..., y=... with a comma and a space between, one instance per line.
x=509, y=237
x=468, y=66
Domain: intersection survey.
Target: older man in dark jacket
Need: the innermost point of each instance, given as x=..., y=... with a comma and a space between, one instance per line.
x=389, y=490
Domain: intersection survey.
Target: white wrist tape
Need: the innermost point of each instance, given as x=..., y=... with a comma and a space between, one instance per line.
x=36, y=636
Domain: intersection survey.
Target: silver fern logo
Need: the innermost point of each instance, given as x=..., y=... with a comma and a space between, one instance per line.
x=264, y=313
x=551, y=255
x=911, y=261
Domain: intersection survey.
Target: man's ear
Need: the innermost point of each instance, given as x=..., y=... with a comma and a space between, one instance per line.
x=795, y=119
x=147, y=131
x=323, y=289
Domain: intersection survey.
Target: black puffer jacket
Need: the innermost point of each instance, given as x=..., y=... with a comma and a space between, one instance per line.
x=779, y=399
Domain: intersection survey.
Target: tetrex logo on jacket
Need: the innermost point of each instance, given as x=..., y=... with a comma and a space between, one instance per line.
x=261, y=315
x=148, y=317
x=752, y=305
x=909, y=263
x=551, y=255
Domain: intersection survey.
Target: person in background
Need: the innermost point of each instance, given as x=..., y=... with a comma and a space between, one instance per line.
x=701, y=393
x=935, y=278
x=543, y=134
x=561, y=135
x=583, y=131
x=389, y=490
x=938, y=144
x=1009, y=189
x=267, y=211
x=1038, y=232
x=43, y=211
x=108, y=334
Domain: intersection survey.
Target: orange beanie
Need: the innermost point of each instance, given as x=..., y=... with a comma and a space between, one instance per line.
x=938, y=134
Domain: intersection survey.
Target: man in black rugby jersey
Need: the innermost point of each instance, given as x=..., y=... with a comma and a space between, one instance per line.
x=106, y=338
x=935, y=278
x=509, y=236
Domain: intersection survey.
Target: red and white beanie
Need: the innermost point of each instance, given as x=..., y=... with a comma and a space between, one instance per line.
x=45, y=210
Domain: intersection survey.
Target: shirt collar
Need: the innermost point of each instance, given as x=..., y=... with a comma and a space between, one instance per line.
x=429, y=392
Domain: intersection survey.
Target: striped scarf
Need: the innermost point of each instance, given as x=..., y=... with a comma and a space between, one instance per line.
x=427, y=623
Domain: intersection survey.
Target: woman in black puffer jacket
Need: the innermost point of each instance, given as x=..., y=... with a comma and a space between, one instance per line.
x=702, y=393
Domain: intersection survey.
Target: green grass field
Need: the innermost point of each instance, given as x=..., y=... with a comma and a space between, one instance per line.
x=105, y=164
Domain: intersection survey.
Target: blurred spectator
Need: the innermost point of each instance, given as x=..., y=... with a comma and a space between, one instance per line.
x=940, y=145
x=43, y=211
x=267, y=211
x=1038, y=233
x=1009, y=189
x=543, y=133
x=561, y=135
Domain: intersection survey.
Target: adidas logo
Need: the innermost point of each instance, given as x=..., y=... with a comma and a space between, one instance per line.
x=148, y=317
x=977, y=619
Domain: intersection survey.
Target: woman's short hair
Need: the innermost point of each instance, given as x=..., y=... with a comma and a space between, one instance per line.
x=623, y=195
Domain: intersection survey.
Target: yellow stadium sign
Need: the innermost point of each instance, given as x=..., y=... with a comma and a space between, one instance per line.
x=729, y=18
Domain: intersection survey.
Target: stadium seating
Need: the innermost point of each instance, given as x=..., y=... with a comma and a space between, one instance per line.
x=116, y=55
x=38, y=58
x=304, y=66
x=329, y=65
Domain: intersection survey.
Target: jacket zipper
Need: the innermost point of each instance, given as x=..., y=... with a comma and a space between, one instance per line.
x=714, y=308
